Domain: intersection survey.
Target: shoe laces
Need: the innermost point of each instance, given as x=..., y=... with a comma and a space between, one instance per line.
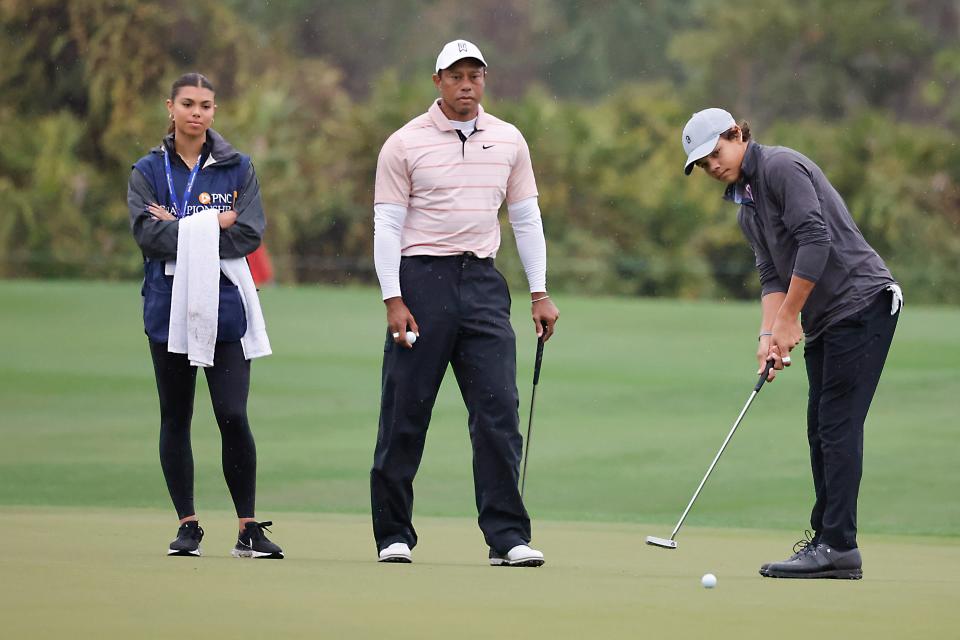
x=261, y=527
x=805, y=545
x=193, y=532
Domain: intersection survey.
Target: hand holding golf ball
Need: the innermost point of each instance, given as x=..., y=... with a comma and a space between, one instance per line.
x=410, y=337
x=709, y=581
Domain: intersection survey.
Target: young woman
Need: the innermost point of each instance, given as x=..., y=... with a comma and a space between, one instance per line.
x=822, y=283
x=194, y=169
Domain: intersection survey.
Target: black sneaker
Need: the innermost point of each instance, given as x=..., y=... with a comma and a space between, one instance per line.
x=251, y=543
x=804, y=545
x=821, y=561
x=188, y=540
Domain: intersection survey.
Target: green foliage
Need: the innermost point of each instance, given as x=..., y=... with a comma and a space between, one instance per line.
x=600, y=90
x=902, y=186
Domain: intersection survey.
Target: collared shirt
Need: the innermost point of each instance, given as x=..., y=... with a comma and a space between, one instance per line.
x=742, y=193
x=451, y=184
x=797, y=224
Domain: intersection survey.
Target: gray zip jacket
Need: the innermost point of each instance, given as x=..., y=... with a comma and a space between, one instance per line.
x=797, y=224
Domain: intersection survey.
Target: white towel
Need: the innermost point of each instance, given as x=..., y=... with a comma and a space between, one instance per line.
x=255, y=342
x=897, y=302
x=195, y=302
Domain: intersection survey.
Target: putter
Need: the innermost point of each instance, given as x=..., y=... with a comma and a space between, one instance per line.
x=671, y=543
x=533, y=397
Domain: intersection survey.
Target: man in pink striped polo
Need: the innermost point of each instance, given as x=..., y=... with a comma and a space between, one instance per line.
x=441, y=180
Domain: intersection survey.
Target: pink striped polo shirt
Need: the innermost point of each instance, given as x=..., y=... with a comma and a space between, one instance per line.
x=453, y=190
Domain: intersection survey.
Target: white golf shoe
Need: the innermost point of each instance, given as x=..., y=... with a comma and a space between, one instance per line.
x=519, y=556
x=396, y=552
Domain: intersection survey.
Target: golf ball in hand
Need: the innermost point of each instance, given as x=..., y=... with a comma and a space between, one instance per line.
x=411, y=337
x=709, y=581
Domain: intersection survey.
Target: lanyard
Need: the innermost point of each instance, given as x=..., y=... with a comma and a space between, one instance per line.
x=180, y=207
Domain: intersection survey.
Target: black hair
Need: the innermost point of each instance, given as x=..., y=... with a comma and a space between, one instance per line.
x=477, y=60
x=188, y=80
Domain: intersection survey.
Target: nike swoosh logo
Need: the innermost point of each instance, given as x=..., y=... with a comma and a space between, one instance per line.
x=487, y=146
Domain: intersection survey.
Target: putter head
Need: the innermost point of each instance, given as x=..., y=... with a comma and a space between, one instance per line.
x=661, y=542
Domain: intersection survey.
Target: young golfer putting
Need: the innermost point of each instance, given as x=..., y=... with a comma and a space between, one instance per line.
x=822, y=283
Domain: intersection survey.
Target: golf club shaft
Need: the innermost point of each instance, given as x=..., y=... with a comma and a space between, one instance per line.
x=743, y=412
x=712, y=465
x=533, y=398
x=526, y=452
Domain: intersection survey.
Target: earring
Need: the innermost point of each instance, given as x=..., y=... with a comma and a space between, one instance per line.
x=171, y=117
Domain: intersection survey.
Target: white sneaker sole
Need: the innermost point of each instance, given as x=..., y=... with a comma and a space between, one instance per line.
x=237, y=553
x=522, y=562
x=174, y=552
x=396, y=558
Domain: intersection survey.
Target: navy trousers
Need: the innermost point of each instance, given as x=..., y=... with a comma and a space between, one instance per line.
x=843, y=369
x=462, y=307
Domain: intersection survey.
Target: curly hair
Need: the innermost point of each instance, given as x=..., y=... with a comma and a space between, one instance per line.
x=744, y=129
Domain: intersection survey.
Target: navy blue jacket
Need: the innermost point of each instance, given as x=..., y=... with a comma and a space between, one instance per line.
x=226, y=180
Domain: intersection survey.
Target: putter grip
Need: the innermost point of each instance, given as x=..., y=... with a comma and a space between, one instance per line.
x=538, y=361
x=763, y=376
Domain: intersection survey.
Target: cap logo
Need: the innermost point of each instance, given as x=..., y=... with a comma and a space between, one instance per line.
x=687, y=138
x=462, y=47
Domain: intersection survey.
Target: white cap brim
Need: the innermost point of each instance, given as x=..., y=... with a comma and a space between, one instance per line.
x=700, y=152
x=449, y=63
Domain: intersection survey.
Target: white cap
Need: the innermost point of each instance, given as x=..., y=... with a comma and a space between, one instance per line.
x=702, y=132
x=458, y=50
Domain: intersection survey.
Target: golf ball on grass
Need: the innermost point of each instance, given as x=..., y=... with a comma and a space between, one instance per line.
x=709, y=581
x=411, y=337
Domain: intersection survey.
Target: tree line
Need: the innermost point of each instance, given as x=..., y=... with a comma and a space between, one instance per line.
x=600, y=90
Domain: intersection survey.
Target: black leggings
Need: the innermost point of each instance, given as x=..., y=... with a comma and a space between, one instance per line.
x=229, y=383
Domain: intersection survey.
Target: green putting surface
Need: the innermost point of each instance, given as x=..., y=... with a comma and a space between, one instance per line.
x=102, y=573
x=635, y=398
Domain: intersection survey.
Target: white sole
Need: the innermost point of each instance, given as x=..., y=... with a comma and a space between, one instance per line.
x=523, y=562
x=396, y=559
x=236, y=553
x=171, y=552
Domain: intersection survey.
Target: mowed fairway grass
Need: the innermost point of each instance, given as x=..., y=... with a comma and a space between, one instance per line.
x=635, y=398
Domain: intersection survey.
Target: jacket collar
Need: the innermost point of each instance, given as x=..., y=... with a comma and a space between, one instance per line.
x=751, y=160
x=748, y=170
x=441, y=121
x=215, y=147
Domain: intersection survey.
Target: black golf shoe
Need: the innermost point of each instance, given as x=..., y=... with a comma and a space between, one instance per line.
x=252, y=543
x=820, y=561
x=806, y=543
x=188, y=540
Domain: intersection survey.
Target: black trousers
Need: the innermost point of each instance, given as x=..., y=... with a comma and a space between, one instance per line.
x=462, y=307
x=229, y=383
x=843, y=368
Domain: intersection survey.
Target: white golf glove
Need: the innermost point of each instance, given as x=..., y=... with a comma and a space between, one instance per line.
x=897, y=302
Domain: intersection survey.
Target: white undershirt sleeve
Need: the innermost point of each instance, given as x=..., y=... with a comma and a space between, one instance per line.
x=527, y=227
x=387, y=229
